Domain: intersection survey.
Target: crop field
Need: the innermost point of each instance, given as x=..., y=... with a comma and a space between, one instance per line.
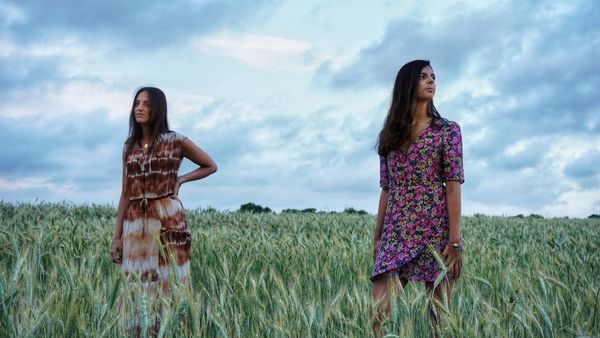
x=294, y=275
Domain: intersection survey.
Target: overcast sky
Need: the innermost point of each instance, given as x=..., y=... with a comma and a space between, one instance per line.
x=288, y=97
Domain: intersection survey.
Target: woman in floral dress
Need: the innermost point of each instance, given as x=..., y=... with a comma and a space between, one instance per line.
x=419, y=207
x=149, y=210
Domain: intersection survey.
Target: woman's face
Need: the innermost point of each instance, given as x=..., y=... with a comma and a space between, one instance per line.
x=426, y=89
x=141, y=108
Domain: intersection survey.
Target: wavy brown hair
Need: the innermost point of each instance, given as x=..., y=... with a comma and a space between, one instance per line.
x=396, y=128
x=158, y=118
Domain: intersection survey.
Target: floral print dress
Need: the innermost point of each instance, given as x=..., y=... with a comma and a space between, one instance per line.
x=416, y=218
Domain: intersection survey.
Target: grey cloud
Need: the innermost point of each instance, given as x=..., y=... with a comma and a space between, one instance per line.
x=315, y=152
x=139, y=24
x=232, y=137
x=26, y=148
x=529, y=189
x=555, y=79
x=548, y=65
x=530, y=157
x=585, y=170
x=18, y=72
x=68, y=151
x=451, y=46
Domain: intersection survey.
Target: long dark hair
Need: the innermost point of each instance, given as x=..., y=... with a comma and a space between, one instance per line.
x=158, y=118
x=396, y=128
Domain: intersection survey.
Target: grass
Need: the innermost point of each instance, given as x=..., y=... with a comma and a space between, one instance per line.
x=294, y=275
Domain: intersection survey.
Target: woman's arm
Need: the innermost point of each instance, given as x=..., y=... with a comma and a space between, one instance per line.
x=383, y=200
x=451, y=254
x=206, y=166
x=117, y=246
x=453, y=204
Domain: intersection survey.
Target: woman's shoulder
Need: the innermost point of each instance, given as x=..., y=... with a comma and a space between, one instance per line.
x=446, y=125
x=172, y=136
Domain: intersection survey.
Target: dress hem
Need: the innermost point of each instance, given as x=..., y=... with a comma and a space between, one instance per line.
x=396, y=270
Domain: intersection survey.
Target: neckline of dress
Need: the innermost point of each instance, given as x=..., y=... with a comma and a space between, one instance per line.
x=146, y=152
x=418, y=138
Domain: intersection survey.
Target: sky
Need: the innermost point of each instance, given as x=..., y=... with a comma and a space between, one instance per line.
x=288, y=97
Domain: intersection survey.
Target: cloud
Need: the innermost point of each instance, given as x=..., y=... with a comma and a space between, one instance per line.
x=57, y=77
x=128, y=24
x=284, y=161
x=18, y=72
x=497, y=39
x=77, y=152
x=449, y=44
x=264, y=51
x=585, y=169
x=35, y=184
x=41, y=47
x=47, y=103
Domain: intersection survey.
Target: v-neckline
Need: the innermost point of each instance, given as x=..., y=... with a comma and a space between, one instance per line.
x=142, y=151
x=418, y=138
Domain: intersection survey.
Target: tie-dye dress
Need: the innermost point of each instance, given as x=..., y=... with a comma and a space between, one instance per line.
x=416, y=217
x=156, y=240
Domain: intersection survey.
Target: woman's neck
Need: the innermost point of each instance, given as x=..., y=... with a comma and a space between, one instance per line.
x=420, y=113
x=145, y=132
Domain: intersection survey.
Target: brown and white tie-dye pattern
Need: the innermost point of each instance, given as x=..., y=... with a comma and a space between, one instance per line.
x=155, y=235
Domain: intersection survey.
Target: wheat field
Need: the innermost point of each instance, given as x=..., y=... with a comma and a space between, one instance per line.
x=294, y=275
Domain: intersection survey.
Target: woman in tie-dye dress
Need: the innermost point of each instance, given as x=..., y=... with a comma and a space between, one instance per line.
x=151, y=235
x=419, y=207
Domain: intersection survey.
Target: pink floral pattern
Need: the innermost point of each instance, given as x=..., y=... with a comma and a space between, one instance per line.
x=416, y=217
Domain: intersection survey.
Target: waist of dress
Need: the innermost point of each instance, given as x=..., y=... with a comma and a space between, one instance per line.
x=417, y=186
x=144, y=206
x=145, y=200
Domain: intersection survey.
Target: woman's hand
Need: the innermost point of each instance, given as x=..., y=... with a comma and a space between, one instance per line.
x=116, y=252
x=453, y=259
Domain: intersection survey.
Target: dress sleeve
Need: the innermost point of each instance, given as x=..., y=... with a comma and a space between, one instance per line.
x=179, y=137
x=453, y=155
x=384, y=181
x=179, y=144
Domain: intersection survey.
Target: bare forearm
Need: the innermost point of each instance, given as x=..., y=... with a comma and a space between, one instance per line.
x=206, y=165
x=197, y=174
x=454, y=211
x=383, y=200
x=122, y=208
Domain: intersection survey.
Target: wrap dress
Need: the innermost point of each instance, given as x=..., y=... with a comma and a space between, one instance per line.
x=416, y=216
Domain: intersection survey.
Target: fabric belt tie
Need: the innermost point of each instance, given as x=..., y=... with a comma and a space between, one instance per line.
x=144, y=206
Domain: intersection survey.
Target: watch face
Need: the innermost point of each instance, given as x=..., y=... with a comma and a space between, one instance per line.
x=455, y=245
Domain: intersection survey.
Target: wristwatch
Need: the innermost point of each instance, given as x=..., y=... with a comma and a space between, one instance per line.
x=455, y=245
